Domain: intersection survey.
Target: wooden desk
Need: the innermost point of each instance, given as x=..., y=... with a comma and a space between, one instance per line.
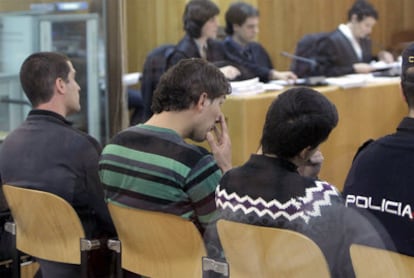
x=367, y=112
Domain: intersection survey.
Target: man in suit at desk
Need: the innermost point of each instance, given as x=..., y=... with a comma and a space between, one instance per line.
x=46, y=153
x=242, y=26
x=348, y=49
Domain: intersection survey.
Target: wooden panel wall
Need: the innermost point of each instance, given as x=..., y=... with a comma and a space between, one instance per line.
x=151, y=23
x=282, y=23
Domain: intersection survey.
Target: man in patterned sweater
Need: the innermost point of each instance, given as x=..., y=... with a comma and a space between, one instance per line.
x=151, y=167
x=268, y=190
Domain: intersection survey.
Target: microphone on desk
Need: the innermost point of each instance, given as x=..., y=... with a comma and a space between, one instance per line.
x=309, y=80
x=312, y=62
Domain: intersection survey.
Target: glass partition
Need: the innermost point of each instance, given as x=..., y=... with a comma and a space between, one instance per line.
x=77, y=33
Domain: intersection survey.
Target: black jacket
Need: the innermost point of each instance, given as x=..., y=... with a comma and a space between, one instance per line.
x=336, y=56
x=380, y=182
x=46, y=153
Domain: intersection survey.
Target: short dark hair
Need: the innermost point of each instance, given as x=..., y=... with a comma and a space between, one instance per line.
x=196, y=14
x=362, y=9
x=238, y=13
x=298, y=118
x=182, y=85
x=39, y=72
x=407, y=85
x=407, y=74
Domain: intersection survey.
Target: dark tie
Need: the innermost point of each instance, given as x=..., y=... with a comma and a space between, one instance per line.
x=247, y=54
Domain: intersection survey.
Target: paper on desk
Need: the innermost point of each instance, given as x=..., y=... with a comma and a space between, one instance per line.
x=247, y=87
x=131, y=78
x=381, y=65
x=380, y=79
x=271, y=86
x=283, y=83
x=244, y=83
x=349, y=81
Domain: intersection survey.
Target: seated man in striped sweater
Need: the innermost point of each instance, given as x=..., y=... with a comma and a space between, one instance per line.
x=150, y=166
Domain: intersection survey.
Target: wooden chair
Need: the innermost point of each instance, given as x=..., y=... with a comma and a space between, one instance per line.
x=157, y=244
x=374, y=262
x=47, y=227
x=256, y=251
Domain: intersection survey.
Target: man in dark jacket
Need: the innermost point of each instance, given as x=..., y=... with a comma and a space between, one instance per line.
x=380, y=180
x=46, y=153
x=242, y=26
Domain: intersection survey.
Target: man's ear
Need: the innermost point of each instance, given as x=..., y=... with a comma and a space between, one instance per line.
x=306, y=153
x=202, y=101
x=60, y=85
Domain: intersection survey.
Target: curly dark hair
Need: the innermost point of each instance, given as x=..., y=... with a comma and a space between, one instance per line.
x=182, y=85
x=298, y=118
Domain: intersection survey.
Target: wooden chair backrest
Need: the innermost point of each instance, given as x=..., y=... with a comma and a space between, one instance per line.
x=47, y=226
x=373, y=262
x=256, y=251
x=157, y=244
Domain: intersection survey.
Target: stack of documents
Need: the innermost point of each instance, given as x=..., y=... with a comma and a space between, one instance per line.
x=359, y=80
x=247, y=87
x=275, y=85
x=381, y=65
